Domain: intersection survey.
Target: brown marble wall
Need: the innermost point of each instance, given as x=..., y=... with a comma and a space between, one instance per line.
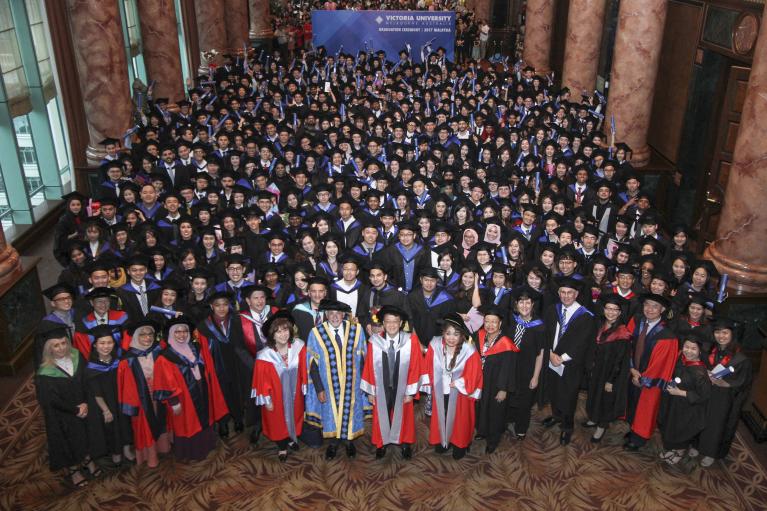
x=539, y=21
x=739, y=249
x=585, y=21
x=636, y=54
x=159, y=34
x=482, y=9
x=102, y=69
x=260, y=20
x=211, y=25
x=237, y=23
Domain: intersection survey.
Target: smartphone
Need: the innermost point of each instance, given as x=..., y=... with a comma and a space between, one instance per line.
x=327, y=86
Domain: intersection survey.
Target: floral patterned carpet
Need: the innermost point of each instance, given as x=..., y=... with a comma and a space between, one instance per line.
x=534, y=474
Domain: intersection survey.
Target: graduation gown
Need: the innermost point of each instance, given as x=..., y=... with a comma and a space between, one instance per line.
x=610, y=364
x=656, y=365
x=339, y=367
x=530, y=342
x=393, y=419
x=725, y=403
x=498, y=368
x=59, y=395
x=405, y=264
x=577, y=340
x=371, y=300
x=202, y=402
x=149, y=417
x=105, y=438
x=232, y=362
x=681, y=418
x=284, y=388
x=453, y=424
x=425, y=314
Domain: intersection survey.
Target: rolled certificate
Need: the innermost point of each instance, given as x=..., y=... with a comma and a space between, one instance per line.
x=167, y=312
x=721, y=371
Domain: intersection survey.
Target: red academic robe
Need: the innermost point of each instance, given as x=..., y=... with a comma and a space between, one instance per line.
x=267, y=387
x=400, y=428
x=82, y=341
x=659, y=370
x=131, y=403
x=249, y=334
x=467, y=380
x=169, y=383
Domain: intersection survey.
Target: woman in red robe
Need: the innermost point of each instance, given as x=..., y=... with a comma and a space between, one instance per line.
x=186, y=380
x=135, y=384
x=279, y=383
x=454, y=369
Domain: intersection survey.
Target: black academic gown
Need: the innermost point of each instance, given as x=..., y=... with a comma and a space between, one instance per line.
x=530, y=345
x=424, y=315
x=498, y=367
x=576, y=341
x=233, y=368
x=105, y=438
x=725, y=404
x=371, y=299
x=609, y=364
x=680, y=419
x=59, y=396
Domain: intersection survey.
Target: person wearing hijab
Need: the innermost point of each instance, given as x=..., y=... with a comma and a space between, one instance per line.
x=186, y=381
x=279, y=383
x=109, y=430
x=135, y=385
x=61, y=393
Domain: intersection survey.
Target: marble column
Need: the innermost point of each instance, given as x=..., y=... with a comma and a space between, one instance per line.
x=585, y=21
x=10, y=264
x=102, y=69
x=159, y=34
x=237, y=24
x=636, y=56
x=211, y=25
x=482, y=10
x=739, y=248
x=260, y=32
x=539, y=21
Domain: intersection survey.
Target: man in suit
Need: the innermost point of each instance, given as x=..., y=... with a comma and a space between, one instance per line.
x=378, y=294
x=172, y=169
x=138, y=294
x=406, y=258
x=569, y=335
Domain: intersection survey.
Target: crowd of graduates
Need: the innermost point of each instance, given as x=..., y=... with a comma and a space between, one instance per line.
x=301, y=245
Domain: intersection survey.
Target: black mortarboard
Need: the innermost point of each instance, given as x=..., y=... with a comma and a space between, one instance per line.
x=59, y=288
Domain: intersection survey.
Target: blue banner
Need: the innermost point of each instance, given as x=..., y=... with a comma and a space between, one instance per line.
x=390, y=31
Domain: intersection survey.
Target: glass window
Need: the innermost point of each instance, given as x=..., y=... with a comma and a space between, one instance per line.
x=38, y=28
x=11, y=67
x=28, y=156
x=59, y=140
x=5, y=209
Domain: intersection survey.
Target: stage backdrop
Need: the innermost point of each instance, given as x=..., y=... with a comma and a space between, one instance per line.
x=384, y=30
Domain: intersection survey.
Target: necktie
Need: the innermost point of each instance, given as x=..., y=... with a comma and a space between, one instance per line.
x=391, y=355
x=639, y=349
x=317, y=321
x=172, y=174
x=578, y=194
x=274, y=259
x=339, y=341
x=142, y=298
x=518, y=333
x=102, y=321
x=562, y=322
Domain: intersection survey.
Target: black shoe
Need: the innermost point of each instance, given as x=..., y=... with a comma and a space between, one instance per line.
x=549, y=422
x=238, y=427
x=255, y=434
x=589, y=424
x=330, y=452
x=490, y=449
x=478, y=437
x=631, y=447
x=223, y=430
x=596, y=439
x=351, y=451
x=521, y=436
x=407, y=452
x=458, y=453
x=283, y=456
x=293, y=446
x=564, y=437
x=439, y=449
x=380, y=452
